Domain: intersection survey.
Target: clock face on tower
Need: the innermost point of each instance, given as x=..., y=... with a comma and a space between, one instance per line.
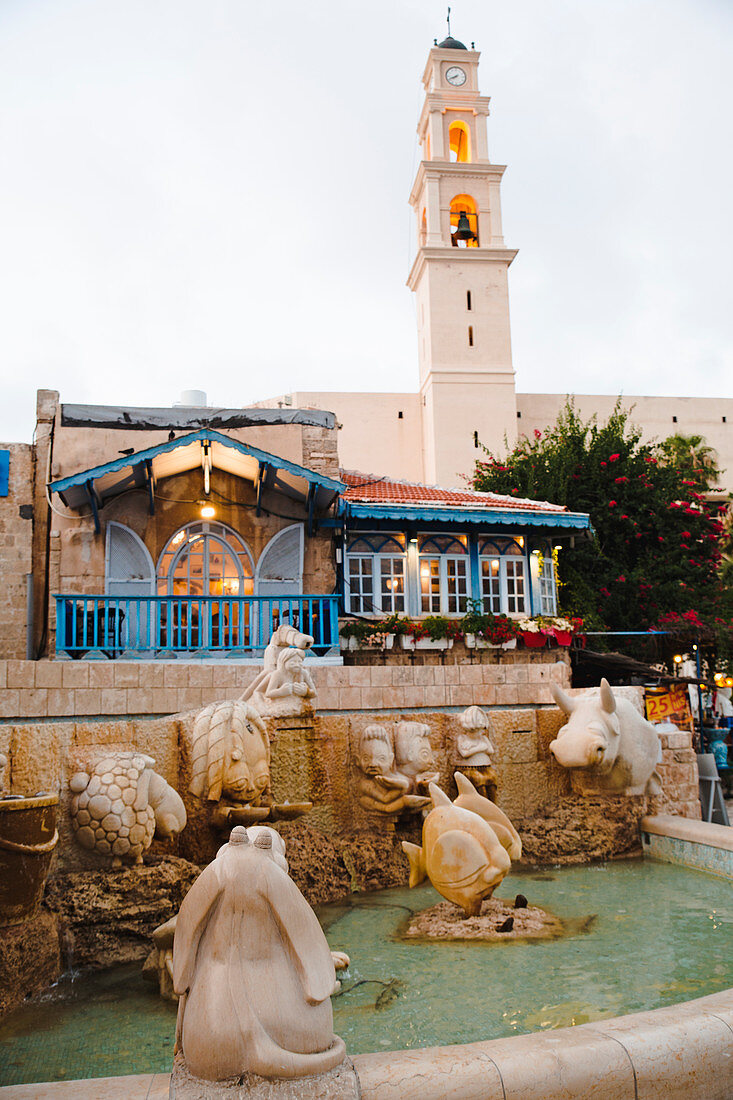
x=455, y=76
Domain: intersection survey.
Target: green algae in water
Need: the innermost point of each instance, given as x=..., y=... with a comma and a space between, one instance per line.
x=659, y=935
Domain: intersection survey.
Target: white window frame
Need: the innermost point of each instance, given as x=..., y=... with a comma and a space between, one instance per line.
x=444, y=595
x=547, y=585
x=504, y=560
x=382, y=603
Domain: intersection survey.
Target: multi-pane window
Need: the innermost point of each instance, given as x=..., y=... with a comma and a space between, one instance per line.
x=375, y=574
x=548, y=598
x=503, y=576
x=444, y=575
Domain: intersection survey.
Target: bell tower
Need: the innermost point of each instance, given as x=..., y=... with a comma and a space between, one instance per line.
x=459, y=275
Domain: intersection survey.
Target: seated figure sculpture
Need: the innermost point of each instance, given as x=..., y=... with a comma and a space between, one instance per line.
x=253, y=971
x=414, y=756
x=462, y=853
x=472, y=751
x=382, y=788
x=285, y=686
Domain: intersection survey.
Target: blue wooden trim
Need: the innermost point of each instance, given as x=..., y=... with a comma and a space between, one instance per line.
x=142, y=624
x=183, y=441
x=475, y=567
x=487, y=517
x=4, y=473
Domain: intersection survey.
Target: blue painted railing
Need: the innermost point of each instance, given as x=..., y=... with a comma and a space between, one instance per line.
x=186, y=624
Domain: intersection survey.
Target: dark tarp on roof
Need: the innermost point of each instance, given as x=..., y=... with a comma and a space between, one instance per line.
x=589, y=667
x=187, y=418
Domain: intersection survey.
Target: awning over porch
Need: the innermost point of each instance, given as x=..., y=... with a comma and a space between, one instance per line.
x=205, y=449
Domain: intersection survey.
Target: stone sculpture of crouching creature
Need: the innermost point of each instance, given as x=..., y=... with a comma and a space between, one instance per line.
x=253, y=972
x=121, y=803
x=609, y=739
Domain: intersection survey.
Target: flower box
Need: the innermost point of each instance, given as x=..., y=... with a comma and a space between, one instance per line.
x=475, y=641
x=563, y=637
x=534, y=638
x=375, y=642
x=408, y=642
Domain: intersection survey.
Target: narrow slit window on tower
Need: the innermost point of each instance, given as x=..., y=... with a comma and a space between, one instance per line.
x=475, y=439
x=399, y=415
x=468, y=299
x=470, y=336
x=674, y=419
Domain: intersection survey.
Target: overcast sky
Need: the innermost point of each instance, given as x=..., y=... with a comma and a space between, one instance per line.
x=213, y=194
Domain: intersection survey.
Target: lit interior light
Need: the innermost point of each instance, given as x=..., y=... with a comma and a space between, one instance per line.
x=208, y=511
x=729, y=682
x=678, y=658
x=537, y=552
x=413, y=542
x=719, y=676
x=558, y=547
x=178, y=538
x=520, y=540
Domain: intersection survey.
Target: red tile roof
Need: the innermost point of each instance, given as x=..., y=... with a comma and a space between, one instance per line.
x=372, y=489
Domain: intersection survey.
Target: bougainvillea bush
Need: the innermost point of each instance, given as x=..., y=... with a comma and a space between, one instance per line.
x=657, y=545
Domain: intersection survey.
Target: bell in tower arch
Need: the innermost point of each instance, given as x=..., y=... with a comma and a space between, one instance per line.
x=463, y=231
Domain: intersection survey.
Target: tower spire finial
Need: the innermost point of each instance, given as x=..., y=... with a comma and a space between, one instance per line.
x=448, y=22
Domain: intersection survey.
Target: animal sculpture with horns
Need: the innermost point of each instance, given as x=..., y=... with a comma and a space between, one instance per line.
x=610, y=739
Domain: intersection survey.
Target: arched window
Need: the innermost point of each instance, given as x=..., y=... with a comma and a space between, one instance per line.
x=375, y=574
x=444, y=574
x=200, y=561
x=503, y=575
x=464, y=222
x=459, y=142
x=205, y=559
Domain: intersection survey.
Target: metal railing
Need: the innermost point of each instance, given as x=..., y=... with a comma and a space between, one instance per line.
x=115, y=625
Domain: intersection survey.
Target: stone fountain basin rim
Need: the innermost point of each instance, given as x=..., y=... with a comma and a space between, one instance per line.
x=32, y=802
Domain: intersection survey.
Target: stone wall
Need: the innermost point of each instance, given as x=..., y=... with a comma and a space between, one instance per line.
x=66, y=689
x=316, y=760
x=16, y=542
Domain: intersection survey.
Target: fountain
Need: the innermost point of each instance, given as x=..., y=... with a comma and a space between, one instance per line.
x=368, y=799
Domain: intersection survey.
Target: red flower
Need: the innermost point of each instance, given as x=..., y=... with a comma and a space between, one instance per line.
x=621, y=579
x=604, y=591
x=612, y=504
x=647, y=458
x=614, y=458
x=685, y=534
x=604, y=464
x=620, y=480
x=537, y=433
x=624, y=516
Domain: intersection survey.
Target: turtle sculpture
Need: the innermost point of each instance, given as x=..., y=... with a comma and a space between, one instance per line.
x=118, y=806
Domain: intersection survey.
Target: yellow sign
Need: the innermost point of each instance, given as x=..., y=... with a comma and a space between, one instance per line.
x=670, y=704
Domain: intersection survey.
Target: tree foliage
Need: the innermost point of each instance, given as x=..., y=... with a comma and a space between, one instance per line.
x=657, y=539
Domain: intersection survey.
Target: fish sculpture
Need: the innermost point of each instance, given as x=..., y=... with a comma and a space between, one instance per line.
x=462, y=853
x=470, y=799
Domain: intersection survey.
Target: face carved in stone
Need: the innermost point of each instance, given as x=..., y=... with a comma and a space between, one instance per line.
x=247, y=773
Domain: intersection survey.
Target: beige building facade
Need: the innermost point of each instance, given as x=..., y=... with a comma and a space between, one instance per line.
x=466, y=394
